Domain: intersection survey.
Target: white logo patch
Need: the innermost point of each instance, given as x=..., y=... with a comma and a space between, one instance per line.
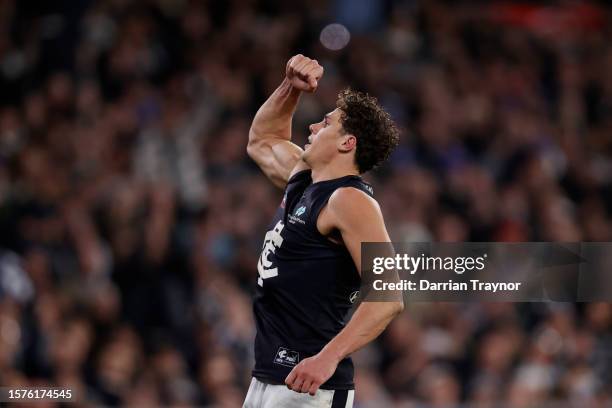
x=286, y=357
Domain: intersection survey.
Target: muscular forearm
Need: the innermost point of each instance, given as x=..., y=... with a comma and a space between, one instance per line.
x=369, y=320
x=273, y=119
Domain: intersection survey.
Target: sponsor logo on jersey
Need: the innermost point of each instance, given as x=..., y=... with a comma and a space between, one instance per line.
x=286, y=357
x=354, y=296
x=297, y=214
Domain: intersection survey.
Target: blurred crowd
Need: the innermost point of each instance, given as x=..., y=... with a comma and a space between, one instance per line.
x=131, y=218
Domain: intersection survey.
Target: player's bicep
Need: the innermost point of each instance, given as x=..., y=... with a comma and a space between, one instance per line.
x=372, y=229
x=276, y=158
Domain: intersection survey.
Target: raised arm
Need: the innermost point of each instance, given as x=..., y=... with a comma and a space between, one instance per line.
x=358, y=218
x=270, y=143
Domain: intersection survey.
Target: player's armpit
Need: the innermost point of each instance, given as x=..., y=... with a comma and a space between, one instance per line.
x=276, y=157
x=299, y=166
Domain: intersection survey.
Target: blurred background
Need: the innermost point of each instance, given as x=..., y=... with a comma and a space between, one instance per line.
x=131, y=218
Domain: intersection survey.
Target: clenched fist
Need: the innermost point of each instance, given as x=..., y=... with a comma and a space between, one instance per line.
x=311, y=372
x=304, y=73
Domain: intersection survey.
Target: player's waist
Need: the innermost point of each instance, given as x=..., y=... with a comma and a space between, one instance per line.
x=342, y=379
x=331, y=384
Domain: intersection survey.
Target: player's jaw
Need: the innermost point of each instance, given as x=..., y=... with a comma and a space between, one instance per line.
x=320, y=148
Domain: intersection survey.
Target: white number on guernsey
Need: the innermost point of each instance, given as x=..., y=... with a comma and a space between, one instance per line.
x=272, y=241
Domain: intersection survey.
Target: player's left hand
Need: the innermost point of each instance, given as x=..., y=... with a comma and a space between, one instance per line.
x=310, y=373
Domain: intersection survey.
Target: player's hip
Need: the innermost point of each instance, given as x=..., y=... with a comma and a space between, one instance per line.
x=274, y=365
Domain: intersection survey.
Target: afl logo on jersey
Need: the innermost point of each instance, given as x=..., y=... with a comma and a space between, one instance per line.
x=286, y=357
x=354, y=296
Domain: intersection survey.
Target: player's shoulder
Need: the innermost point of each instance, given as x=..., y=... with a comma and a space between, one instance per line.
x=350, y=209
x=351, y=201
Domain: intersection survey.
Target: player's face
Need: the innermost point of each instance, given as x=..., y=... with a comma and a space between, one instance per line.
x=324, y=139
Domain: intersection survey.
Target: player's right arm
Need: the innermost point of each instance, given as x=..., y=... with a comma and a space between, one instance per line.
x=270, y=143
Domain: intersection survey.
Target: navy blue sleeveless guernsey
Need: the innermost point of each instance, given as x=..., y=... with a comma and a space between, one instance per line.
x=306, y=284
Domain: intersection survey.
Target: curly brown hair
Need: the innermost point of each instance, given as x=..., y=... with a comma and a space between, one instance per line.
x=374, y=129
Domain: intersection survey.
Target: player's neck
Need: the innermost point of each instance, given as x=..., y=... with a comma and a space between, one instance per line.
x=331, y=172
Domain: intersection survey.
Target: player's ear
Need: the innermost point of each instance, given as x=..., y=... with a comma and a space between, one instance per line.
x=347, y=143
